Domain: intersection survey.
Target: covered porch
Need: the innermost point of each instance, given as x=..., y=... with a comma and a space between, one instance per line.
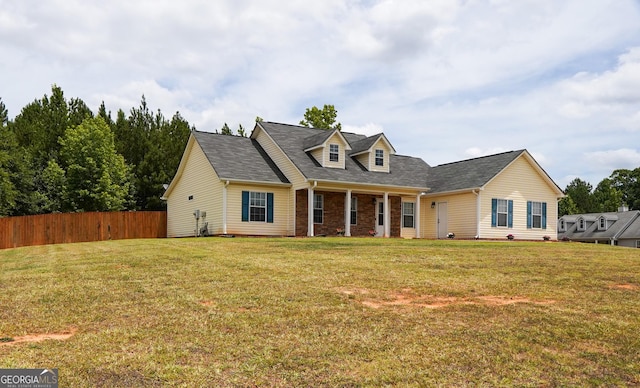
x=330, y=211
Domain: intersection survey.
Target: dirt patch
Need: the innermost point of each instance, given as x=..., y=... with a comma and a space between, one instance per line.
x=65, y=335
x=407, y=298
x=631, y=287
x=207, y=303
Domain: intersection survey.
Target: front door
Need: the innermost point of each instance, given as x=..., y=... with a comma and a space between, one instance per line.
x=442, y=220
x=379, y=217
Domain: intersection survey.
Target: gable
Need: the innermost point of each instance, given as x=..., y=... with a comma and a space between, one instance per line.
x=477, y=173
x=404, y=171
x=332, y=152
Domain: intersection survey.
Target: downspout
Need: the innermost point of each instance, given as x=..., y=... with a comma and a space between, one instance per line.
x=224, y=207
x=477, y=193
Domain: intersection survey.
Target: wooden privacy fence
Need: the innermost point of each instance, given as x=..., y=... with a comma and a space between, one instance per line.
x=80, y=227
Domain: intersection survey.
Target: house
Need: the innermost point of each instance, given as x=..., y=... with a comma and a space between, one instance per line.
x=616, y=228
x=287, y=180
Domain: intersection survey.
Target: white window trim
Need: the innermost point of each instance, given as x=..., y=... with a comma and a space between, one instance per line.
x=380, y=158
x=413, y=215
x=336, y=153
x=602, y=220
x=505, y=212
x=252, y=195
x=534, y=215
x=321, y=208
x=354, y=210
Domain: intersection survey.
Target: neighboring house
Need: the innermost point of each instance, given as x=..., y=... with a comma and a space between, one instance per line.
x=288, y=180
x=615, y=228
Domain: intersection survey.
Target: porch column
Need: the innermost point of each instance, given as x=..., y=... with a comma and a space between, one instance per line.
x=310, y=211
x=417, y=216
x=347, y=214
x=387, y=216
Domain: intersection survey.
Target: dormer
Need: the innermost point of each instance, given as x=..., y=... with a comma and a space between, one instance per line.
x=328, y=149
x=373, y=152
x=605, y=221
x=584, y=222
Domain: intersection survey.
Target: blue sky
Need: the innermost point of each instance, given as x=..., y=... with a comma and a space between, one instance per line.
x=445, y=80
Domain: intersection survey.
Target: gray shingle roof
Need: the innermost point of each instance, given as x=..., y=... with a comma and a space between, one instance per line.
x=469, y=174
x=627, y=225
x=404, y=171
x=317, y=139
x=363, y=144
x=238, y=158
x=633, y=230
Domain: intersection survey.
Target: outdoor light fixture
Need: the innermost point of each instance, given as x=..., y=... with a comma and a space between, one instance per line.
x=433, y=205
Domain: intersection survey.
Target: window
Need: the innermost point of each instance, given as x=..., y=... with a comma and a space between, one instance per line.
x=334, y=150
x=380, y=213
x=602, y=223
x=501, y=213
x=257, y=206
x=379, y=157
x=354, y=210
x=581, y=225
x=561, y=226
x=637, y=243
x=536, y=215
x=408, y=214
x=318, y=207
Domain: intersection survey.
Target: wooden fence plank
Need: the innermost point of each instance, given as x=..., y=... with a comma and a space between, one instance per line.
x=80, y=227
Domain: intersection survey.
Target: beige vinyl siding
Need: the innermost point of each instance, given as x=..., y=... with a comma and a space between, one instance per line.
x=519, y=182
x=282, y=218
x=199, y=180
x=363, y=159
x=335, y=139
x=318, y=155
x=461, y=215
x=379, y=145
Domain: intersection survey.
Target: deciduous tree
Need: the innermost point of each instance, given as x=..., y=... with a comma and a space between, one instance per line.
x=324, y=118
x=96, y=176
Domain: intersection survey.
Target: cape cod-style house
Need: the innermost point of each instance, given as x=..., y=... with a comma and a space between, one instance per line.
x=287, y=180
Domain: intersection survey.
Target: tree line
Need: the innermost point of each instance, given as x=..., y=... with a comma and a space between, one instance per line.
x=56, y=155
x=621, y=188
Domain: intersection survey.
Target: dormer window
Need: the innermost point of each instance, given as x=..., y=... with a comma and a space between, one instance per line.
x=602, y=223
x=379, y=157
x=334, y=152
x=581, y=224
x=561, y=226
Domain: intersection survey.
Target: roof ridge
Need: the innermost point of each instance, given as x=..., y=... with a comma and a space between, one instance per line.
x=481, y=157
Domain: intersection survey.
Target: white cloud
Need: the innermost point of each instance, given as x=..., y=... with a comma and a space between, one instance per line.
x=445, y=80
x=615, y=159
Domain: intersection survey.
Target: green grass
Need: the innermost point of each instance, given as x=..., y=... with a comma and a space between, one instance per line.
x=295, y=312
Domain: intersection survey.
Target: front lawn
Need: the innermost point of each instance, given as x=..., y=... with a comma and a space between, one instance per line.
x=322, y=312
